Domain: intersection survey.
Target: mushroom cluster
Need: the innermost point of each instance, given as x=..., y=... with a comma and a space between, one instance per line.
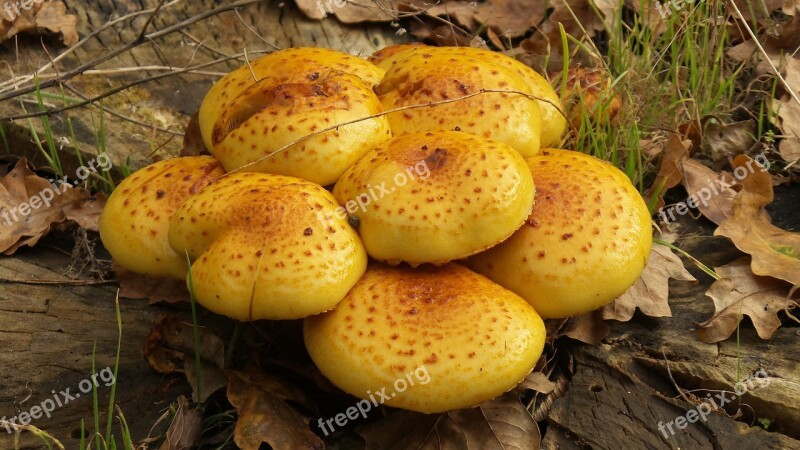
x=447, y=231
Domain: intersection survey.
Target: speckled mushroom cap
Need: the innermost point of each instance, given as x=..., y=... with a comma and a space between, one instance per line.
x=260, y=249
x=451, y=337
x=289, y=95
x=423, y=75
x=553, y=121
x=586, y=240
x=435, y=197
x=135, y=220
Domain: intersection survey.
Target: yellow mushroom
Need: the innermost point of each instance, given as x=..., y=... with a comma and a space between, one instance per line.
x=585, y=242
x=260, y=250
x=435, y=197
x=288, y=96
x=553, y=123
x=135, y=220
x=430, y=339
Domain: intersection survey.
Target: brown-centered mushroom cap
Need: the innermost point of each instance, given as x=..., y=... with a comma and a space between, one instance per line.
x=474, y=339
x=135, y=220
x=437, y=196
x=260, y=248
x=585, y=243
x=425, y=75
x=288, y=96
x=553, y=121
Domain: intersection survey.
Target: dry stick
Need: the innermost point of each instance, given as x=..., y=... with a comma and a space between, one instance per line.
x=122, y=116
x=50, y=112
x=764, y=52
x=150, y=20
x=80, y=43
x=394, y=110
x=56, y=282
x=200, y=44
x=249, y=28
x=113, y=54
x=674, y=383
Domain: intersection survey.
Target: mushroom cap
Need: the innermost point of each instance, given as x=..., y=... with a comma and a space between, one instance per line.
x=135, y=220
x=262, y=250
x=451, y=336
x=298, y=92
x=553, y=121
x=423, y=75
x=586, y=240
x=437, y=196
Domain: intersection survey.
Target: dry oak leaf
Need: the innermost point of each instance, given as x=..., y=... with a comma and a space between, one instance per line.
x=499, y=424
x=185, y=430
x=739, y=292
x=676, y=150
x=30, y=206
x=775, y=252
x=650, y=294
x=169, y=348
x=154, y=289
x=711, y=191
x=264, y=415
x=51, y=16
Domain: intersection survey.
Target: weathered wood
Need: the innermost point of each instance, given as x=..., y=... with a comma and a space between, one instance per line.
x=47, y=337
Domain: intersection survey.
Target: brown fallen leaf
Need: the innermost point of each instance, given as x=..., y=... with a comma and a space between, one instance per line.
x=265, y=416
x=669, y=173
x=187, y=425
x=50, y=15
x=154, y=289
x=537, y=381
x=775, y=252
x=169, y=348
x=86, y=213
x=581, y=19
x=499, y=424
x=510, y=18
x=711, y=191
x=30, y=206
x=650, y=294
x=589, y=328
x=739, y=292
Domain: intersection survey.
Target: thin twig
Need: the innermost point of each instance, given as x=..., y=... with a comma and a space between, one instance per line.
x=669, y=372
x=111, y=92
x=150, y=20
x=56, y=282
x=764, y=52
x=114, y=53
x=122, y=116
x=80, y=43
